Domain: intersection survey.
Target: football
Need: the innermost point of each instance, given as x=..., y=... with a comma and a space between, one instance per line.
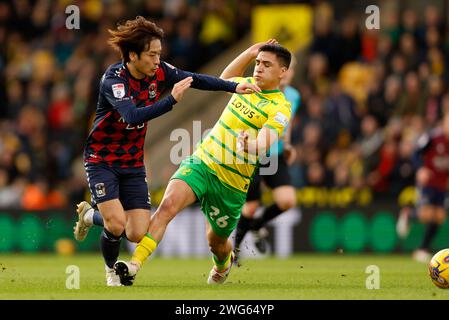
x=439, y=269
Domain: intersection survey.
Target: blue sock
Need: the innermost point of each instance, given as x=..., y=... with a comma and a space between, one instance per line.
x=97, y=219
x=110, y=247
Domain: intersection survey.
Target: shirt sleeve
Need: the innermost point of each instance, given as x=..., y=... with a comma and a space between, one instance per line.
x=115, y=92
x=200, y=81
x=278, y=118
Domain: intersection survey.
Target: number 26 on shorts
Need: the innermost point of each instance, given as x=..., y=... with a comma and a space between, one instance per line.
x=221, y=222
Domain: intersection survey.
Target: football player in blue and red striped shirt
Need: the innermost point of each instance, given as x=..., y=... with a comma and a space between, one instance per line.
x=432, y=177
x=128, y=99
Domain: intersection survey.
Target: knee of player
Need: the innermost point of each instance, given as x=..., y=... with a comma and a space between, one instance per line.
x=425, y=214
x=167, y=209
x=115, y=226
x=440, y=216
x=135, y=236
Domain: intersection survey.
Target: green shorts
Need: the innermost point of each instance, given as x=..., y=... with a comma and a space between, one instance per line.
x=221, y=205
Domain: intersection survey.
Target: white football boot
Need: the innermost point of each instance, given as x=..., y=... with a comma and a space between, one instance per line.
x=82, y=226
x=403, y=223
x=112, y=280
x=219, y=277
x=422, y=255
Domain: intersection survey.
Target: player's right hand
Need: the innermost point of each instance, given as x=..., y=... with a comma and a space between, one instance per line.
x=180, y=87
x=423, y=176
x=247, y=88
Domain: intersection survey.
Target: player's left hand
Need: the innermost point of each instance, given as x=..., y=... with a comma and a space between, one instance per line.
x=247, y=88
x=289, y=153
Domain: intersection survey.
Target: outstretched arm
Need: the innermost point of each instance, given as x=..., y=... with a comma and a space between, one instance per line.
x=206, y=82
x=134, y=116
x=423, y=143
x=238, y=66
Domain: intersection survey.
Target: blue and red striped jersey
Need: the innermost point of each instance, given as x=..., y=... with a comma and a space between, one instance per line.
x=434, y=147
x=125, y=104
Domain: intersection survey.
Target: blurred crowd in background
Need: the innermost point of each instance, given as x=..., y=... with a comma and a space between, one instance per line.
x=366, y=94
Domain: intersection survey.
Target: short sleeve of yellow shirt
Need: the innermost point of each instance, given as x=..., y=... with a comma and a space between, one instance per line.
x=278, y=118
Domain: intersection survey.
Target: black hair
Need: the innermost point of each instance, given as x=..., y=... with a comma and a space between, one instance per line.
x=282, y=54
x=134, y=36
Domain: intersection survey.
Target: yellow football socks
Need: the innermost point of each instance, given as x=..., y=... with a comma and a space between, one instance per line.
x=222, y=265
x=144, y=249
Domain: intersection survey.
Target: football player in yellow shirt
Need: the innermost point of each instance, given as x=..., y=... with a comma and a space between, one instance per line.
x=218, y=173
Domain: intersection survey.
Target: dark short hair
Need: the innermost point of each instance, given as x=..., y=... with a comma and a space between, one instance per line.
x=134, y=36
x=282, y=54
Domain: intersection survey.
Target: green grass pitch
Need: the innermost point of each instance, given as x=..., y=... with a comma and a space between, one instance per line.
x=304, y=276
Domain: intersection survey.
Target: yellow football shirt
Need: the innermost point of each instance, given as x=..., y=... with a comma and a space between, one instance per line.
x=249, y=112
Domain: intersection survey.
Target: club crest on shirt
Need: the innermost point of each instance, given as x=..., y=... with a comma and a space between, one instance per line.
x=100, y=190
x=186, y=172
x=118, y=90
x=152, y=90
x=262, y=103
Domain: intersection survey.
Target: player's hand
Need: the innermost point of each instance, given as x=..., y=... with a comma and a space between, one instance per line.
x=180, y=88
x=423, y=176
x=254, y=49
x=242, y=141
x=247, y=88
x=289, y=153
